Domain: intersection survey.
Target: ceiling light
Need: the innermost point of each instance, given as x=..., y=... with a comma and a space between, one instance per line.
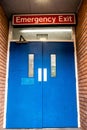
x=42, y=1
x=42, y=39
x=45, y=30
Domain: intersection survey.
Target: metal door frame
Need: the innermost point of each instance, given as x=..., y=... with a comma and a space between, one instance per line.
x=76, y=74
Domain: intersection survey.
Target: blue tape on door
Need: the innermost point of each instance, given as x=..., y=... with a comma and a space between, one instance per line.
x=27, y=81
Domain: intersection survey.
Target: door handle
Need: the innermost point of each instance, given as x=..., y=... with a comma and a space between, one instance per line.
x=39, y=74
x=45, y=74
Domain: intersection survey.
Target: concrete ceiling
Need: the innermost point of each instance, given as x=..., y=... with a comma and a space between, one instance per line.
x=40, y=6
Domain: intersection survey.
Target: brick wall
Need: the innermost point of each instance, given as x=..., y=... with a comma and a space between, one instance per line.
x=81, y=37
x=3, y=55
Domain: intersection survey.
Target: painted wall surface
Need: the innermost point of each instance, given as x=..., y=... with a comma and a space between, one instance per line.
x=81, y=37
x=3, y=57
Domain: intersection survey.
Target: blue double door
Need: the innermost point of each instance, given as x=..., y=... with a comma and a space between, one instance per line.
x=41, y=85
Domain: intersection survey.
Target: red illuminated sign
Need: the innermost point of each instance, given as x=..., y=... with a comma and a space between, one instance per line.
x=44, y=19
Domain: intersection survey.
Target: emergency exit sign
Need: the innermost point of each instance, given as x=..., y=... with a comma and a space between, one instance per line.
x=44, y=19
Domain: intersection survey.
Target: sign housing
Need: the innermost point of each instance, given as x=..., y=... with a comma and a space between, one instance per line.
x=44, y=19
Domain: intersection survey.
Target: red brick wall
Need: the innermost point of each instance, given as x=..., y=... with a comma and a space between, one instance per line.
x=3, y=56
x=81, y=37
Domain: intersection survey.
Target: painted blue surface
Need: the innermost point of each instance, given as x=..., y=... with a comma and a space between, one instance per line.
x=50, y=104
x=59, y=93
x=27, y=81
x=24, y=107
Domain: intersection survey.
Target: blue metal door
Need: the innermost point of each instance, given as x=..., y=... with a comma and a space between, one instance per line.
x=48, y=98
x=59, y=88
x=24, y=108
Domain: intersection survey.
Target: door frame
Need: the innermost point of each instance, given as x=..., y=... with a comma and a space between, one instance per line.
x=76, y=73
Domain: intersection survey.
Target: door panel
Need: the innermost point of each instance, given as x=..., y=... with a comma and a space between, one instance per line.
x=24, y=108
x=59, y=92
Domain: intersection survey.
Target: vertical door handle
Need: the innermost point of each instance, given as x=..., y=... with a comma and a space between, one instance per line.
x=39, y=74
x=45, y=74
